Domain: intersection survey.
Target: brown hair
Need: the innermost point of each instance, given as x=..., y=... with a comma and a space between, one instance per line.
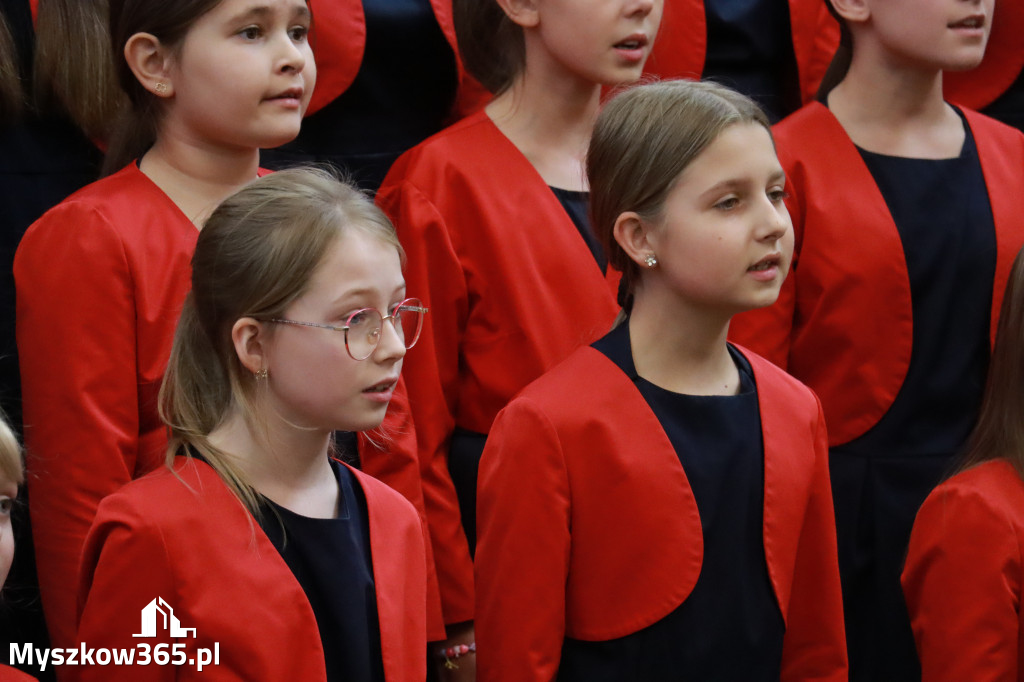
x=169, y=22
x=644, y=138
x=11, y=466
x=254, y=257
x=840, y=64
x=74, y=69
x=491, y=45
x=12, y=98
x=1000, y=428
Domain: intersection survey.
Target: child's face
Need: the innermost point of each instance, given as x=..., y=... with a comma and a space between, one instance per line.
x=945, y=34
x=726, y=240
x=8, y=492
x=313, y=381
x=597, y=41
x=243, y=75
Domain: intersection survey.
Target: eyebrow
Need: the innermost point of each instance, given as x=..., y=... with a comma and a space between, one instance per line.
x=261, y=11
x=364, y=291
x=734, y=183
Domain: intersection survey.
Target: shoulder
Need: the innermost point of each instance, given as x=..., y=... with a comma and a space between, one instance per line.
x=794, y=126
x=778, y=386
x=380, y=497
x=992, y=488
x=996, y=138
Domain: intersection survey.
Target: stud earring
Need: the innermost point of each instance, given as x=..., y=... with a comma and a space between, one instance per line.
x=260, y=374
x=161, y=88
x=650, y=261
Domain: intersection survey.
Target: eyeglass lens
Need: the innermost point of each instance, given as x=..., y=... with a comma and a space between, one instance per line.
x=364, y=328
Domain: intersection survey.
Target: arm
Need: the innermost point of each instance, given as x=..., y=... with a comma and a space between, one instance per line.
x=76, y=342
x=125, y=565
x=962, y=586
x=814, y=646
x=522, y=559
x=434, y=274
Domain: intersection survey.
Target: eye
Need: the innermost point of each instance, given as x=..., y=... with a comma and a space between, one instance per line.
x=299, y=33
x=777, y=194
x=251, y=32
x=6, y=505
x=728, y=203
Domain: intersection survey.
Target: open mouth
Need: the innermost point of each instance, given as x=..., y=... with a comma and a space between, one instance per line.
x=634, y=42
x=766, y=263
x=972, y=22
x=290, y=93
x=381, y=387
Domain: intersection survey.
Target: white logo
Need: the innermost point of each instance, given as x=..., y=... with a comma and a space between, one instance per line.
x=170, y=621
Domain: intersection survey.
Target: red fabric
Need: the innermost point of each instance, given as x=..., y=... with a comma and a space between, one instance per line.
x=8, y=674
x=681, y=45
x=1003, y=62
x=849, y=285
x=512, y=289
x=185, y=537
x=589, y=529
x=963, y=577
x=339, y=39
x=100, y=283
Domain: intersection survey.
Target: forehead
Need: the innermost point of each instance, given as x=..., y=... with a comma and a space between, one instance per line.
x=358, y=260
x=741, y=148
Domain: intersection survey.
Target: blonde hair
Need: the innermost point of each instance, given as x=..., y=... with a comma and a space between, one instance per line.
x=999, y=432
x=74, y=68
x=254, y=257
x=11, y=464
x=644, y=138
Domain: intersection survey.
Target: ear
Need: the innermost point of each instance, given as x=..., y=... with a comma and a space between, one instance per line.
x=150, y=61
x=525, y=13
x=249, y=338
x=856, y=11
x=635, y=236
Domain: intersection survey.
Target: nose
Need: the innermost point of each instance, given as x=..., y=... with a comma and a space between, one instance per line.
x=775, y=221
x=293, y=55
x=643, y=7
x=391, y=346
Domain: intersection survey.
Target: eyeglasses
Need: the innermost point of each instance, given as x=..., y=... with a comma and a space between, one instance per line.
x=363, y=327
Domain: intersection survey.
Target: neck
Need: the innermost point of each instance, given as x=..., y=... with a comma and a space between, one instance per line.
x=549, y=117
x=286, y=464
x=681, y=347
x=895, y=108
x=198, y=177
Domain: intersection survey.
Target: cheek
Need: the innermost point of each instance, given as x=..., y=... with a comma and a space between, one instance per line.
x=6, y=548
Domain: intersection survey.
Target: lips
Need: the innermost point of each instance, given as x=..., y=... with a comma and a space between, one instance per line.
x=772, y=260
x=975, y=21
x=636, y=41
x=382, y=387
x=291, y=93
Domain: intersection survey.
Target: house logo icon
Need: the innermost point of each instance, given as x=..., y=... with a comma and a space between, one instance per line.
x=158, y=607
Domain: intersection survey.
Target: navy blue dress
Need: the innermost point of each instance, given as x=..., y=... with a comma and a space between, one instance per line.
x=879, y=480
x=403, y=93
x=730, y=628
x=331, y=560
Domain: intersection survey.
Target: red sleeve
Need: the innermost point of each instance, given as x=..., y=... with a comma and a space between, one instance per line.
x=125, y=565
x=390, y=457
x=434, y=274
x=814, y=647
x=962, y=586
x=76, y=344
x=767, y=331
x=522, y=558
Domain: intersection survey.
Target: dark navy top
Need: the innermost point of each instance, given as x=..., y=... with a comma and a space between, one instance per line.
x=750, y=49
x=331, y=560
x=730, y=628
x=577, y=205
x=402, y=94
x=944, y=218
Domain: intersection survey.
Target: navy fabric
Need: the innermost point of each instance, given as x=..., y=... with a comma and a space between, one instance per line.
x=730, y=627
x=880, y=479
x=331, y=560
x=577, y=205
x=403, y=94
x=750, y=49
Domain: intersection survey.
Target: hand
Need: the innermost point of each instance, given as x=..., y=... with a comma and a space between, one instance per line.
x=463, y=668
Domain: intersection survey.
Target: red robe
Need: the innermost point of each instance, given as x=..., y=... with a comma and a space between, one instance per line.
x=185, y=537
x=512, y=289
x=964, y=576
x=101, y=279
x=682, y=42
x=339, y=38
x=849, y=285
x=589, y=529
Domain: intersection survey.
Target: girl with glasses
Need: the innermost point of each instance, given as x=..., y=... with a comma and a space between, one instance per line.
x=907, y=219
x=297, y=565
x=493, y=213
x=657, y=506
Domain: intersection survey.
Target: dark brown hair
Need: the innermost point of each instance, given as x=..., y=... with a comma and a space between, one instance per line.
x=73, y=67
x=840, y=64
x=169, y=22
x=1000, y=428
x=491, y=45
x=644, y=138
x=12, y=98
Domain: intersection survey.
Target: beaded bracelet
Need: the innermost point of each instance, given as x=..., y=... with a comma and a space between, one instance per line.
x=452, y=653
